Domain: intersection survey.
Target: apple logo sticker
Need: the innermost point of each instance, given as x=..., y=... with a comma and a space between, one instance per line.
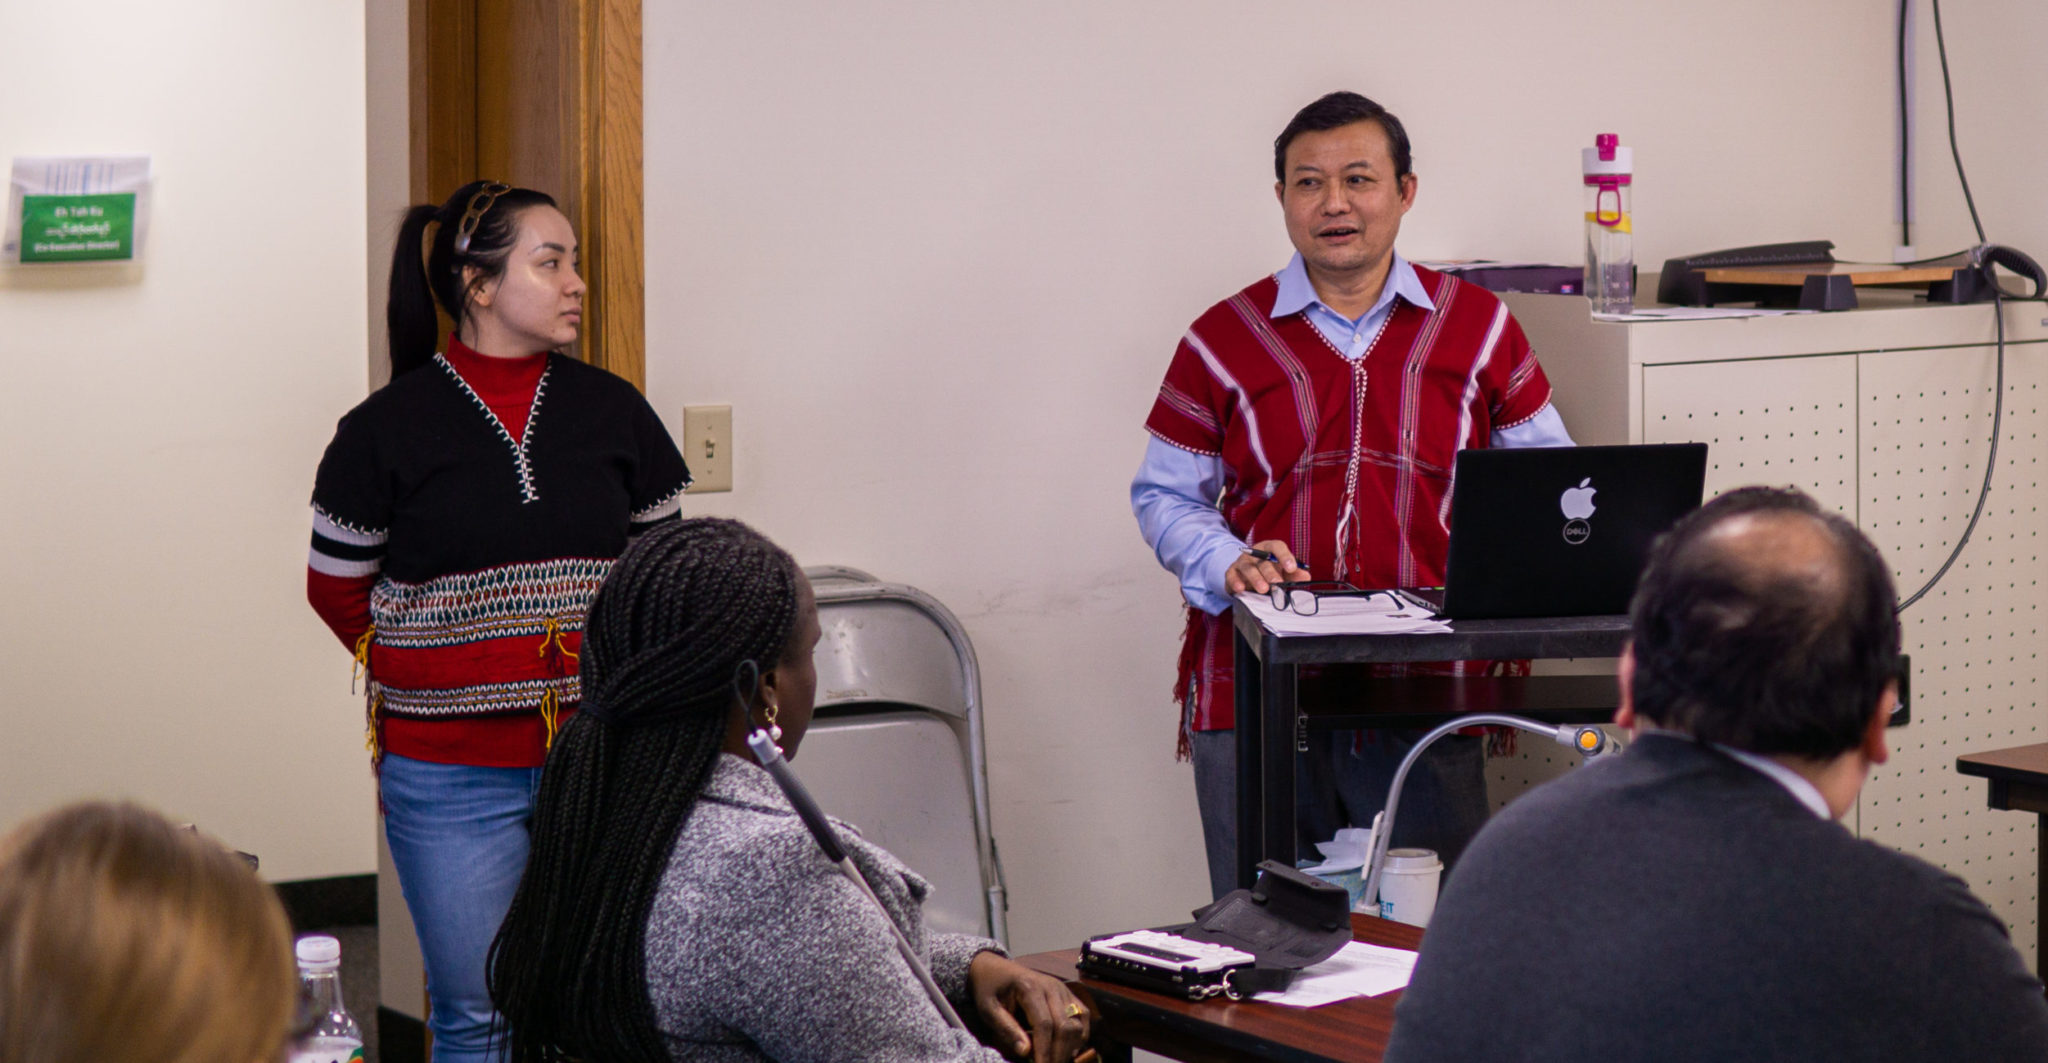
x=1577, y=504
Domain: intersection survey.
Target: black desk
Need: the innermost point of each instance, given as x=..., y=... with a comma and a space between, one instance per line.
x=2019, y=782
x=1271, y=727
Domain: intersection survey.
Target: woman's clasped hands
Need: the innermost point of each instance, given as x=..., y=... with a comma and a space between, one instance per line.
x=1053, y=1026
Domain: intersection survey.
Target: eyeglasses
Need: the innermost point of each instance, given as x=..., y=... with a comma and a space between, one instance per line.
x=472, y=215
x=1305, y=596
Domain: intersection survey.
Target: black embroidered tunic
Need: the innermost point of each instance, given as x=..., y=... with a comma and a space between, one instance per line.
x=486, y=548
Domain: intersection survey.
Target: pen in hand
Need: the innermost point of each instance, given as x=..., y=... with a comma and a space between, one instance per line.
x=1261, y=566
x=1257, y=554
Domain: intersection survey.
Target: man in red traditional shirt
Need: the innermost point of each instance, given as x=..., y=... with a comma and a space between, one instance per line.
x=1314, y=416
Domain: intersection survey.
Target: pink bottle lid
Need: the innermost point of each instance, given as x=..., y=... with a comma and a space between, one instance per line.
x=1607, y=162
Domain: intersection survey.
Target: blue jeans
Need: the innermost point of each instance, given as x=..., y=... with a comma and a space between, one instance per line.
x=458, y=837
x=1342, y=782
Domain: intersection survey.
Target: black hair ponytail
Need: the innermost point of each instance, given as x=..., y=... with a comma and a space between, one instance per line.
x=423, y=273
x=409, y=313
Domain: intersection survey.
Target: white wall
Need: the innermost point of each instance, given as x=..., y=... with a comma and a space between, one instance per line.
x=937, y=256
x=1995, y=60
x=161, y=429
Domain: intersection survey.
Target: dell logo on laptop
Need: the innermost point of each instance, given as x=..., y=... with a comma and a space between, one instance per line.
x=1577, y=504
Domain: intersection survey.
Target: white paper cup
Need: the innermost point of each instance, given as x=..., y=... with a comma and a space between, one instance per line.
x=1408, y=883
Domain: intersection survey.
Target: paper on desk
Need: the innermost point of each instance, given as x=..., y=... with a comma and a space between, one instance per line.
x=1696, y=313
x=1377, y=615
x=1357, y=970
x=1469, y=265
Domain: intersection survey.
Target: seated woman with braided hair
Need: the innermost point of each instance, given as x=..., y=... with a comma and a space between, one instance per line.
x=674, y=906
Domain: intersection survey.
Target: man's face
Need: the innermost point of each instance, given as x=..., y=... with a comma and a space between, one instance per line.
x=1341, y=198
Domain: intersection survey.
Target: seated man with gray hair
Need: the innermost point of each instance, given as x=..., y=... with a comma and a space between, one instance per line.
x=1695, y=898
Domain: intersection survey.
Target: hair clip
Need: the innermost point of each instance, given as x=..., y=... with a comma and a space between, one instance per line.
x=473, y=215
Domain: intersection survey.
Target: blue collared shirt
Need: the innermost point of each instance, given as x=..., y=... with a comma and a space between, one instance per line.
x=1351, y=338
x=1174, y=494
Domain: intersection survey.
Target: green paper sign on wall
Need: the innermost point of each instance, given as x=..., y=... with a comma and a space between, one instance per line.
x=92, y=209
x=89, y=228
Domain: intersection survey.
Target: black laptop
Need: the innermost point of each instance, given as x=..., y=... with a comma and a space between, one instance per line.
x=1559, y=531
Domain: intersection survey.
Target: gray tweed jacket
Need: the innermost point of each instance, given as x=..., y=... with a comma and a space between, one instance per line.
x=757, y=948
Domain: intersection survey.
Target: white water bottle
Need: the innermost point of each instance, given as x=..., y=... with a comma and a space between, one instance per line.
x=1610, y=246
x=334, y=1037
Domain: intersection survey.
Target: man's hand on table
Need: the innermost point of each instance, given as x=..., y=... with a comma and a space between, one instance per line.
x=1251, y=573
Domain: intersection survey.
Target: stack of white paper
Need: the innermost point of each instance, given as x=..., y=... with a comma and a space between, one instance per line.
x=1380, y=614
x=1357, y=970
x=1696, y=313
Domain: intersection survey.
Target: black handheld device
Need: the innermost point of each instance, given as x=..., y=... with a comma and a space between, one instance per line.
x=1248, y=942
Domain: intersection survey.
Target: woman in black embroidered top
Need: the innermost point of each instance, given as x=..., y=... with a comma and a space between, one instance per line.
x=463, y=517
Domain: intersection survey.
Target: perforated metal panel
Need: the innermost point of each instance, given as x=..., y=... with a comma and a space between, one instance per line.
x=1765, y=420
x=1976, y=639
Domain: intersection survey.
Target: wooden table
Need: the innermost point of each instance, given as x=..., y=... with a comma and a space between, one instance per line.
x=2019, y=782
x=1272, y=726
x=1217, y=1030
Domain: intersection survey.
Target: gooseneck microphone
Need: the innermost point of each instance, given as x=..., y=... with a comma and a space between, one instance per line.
x=1588, y=740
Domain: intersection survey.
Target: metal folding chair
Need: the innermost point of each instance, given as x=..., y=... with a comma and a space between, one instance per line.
x=896, y=748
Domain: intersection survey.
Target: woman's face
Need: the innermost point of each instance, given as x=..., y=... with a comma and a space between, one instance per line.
x=795, y=680
x=537, y=303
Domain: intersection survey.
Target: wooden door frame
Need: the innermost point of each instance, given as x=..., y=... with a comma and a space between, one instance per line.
x=544, y=93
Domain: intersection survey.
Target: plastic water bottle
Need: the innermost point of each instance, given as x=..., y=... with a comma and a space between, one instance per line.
x=1610, y=245
x=335, y=1038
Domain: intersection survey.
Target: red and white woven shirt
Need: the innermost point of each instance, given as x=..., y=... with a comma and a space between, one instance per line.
x=1348, y=462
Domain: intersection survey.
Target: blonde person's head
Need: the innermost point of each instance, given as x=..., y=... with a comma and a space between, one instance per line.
x=126, y=939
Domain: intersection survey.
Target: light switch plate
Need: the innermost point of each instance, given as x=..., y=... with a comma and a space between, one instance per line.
x=707, y=447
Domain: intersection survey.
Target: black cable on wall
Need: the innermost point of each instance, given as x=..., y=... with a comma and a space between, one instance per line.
x=1997, y=305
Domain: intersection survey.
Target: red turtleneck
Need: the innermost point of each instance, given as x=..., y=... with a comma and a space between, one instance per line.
x=505, y=384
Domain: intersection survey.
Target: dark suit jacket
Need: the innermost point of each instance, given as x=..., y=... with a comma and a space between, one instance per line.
x=1674, y=904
